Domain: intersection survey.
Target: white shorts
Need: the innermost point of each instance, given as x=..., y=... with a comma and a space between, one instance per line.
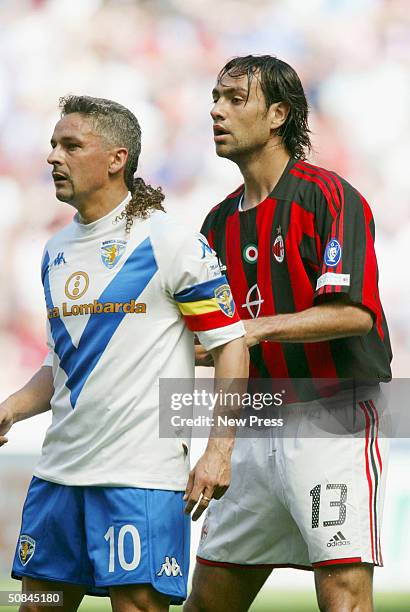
x=304, y=501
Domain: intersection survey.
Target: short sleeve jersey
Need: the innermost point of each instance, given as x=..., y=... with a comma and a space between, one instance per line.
x=311, y=238
x=122, y=309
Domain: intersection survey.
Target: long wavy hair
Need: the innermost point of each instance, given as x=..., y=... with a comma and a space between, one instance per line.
x=119, y=127
x=279, y=83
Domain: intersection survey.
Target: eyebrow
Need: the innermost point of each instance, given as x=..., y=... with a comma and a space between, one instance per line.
x=66, y=139
x=230, y=90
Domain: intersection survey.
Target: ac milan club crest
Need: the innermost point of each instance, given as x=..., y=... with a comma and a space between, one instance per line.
x=278, y=248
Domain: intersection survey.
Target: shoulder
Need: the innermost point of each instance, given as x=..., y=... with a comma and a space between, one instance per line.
x=168, y=231
x=326, y=186
x=171, y=239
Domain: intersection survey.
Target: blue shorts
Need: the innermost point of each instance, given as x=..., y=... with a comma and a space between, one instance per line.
x=104, y=536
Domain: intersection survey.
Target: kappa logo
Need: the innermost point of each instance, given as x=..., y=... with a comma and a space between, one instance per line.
x=333, y=253
x=58, y=260
x=170, y=568
x=253, y=306
x=225, y=300
x=27, y=546
x=111, y=252
x=338, y=540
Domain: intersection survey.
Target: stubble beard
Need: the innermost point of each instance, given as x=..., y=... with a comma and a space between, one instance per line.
x=66, y=195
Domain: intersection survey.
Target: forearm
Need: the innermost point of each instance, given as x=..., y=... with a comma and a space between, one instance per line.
x=231, y=376
x=34, y=398
x=326, y=321
x=212, y=474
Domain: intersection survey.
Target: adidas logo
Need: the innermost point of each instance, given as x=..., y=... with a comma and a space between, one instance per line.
x=338, y=540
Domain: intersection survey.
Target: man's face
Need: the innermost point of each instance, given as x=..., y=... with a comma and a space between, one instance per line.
x=242, y=124
x=80, y=159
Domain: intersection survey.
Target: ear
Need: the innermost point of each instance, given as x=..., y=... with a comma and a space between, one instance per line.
x=278, y=113
x=117, y=160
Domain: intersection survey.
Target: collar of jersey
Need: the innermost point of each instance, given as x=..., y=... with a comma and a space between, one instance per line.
x=102, y=223
x=279, y=191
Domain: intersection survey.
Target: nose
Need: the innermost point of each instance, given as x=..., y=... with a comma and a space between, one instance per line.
x=217, y=111
x=55, y=156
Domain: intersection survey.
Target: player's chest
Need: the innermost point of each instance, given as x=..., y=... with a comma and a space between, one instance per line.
x=108, y=276
x=268, y=238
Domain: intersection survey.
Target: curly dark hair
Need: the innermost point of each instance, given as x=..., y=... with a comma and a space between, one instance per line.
x=279, y=83
x=119, y=127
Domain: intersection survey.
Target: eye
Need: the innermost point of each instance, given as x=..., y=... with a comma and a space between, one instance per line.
x=72, y=146
x=236, y=100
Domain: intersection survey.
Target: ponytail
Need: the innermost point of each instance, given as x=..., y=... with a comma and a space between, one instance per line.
x=144, y=198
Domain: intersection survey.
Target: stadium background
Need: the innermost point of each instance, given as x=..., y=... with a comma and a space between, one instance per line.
x=160, y=58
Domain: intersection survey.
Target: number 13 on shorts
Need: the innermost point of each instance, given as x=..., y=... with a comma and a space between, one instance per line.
x=339, y=502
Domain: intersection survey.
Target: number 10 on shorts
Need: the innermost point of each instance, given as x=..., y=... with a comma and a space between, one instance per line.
x=131, y=532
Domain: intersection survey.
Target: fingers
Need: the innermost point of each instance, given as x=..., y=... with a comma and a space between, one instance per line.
x=202, y=505
x=197, y=496
x=202, y=357
x=220, y=491
x=194, y=498
x=3, y=440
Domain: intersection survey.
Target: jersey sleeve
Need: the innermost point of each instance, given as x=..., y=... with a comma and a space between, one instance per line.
x=192, y=278
x=347, y=259
x=204, y=297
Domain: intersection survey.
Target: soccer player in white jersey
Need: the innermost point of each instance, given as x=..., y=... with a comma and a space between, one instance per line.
x=125, y=286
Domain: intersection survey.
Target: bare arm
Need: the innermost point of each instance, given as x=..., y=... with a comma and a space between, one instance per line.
x=212, y=474
x=336, y=318
x=34, y=398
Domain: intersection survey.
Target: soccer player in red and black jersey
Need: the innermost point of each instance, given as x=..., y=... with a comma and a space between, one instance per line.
x=297, y=243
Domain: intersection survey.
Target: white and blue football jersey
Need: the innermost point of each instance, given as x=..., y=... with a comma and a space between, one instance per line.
x=122, y=309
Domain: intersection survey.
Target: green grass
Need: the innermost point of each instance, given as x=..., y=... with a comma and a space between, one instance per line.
x=280, y=601
x=268, y=601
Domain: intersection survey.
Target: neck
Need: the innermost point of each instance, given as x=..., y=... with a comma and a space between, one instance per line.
x=261, y=172
x=100, y=203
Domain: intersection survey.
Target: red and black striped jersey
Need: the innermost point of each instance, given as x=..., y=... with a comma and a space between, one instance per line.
x=313, y=236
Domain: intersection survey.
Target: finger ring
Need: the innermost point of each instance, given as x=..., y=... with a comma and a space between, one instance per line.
x=208, y=499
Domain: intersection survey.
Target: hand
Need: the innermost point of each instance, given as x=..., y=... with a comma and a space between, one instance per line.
x=250, y=329
x=202, y=357
x=6, y=422
x=210, y=478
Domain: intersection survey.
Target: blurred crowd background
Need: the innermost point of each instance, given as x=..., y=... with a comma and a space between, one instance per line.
x=160, y=58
